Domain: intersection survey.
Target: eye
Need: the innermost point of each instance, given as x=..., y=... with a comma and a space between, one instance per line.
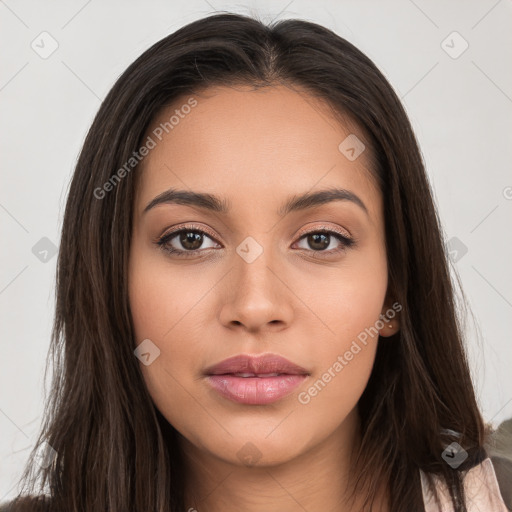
x=322, y=239
x=189, y=241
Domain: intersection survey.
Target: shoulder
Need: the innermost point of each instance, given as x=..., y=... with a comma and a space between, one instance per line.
x=490, y=482
x=27, y=504
x=486, y=484
x=499, y=448
x=503, y=469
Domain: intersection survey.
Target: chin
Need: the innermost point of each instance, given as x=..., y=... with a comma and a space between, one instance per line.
x=256, y=448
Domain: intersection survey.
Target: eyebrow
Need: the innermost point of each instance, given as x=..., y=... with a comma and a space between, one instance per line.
x=216, y=204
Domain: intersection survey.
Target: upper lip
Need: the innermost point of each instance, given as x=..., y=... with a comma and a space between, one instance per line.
x=267, y=363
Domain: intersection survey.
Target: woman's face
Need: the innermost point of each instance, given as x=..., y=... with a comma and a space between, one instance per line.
x=260, y=279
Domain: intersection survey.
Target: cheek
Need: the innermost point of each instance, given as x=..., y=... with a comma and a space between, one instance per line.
x=345, y=299
x=164, y=306
x=161, y=298
x=349, y=304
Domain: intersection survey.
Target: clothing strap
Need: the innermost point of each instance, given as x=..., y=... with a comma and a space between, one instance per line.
x=480, y=486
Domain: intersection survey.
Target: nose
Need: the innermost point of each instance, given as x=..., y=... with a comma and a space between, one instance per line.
x=256, y=295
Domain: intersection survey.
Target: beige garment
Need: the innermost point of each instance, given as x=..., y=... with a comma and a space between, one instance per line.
x=481, y=487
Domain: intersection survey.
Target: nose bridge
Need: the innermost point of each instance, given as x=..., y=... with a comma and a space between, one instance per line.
x=256, y=294
x=254, y=262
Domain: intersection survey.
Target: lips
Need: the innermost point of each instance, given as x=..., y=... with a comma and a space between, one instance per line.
x=254, y=380
x=266, y=365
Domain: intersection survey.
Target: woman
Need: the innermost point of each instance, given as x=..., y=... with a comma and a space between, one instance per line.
x=254, y=306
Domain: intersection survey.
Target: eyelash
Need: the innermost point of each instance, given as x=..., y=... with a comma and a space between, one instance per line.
x=163, y=241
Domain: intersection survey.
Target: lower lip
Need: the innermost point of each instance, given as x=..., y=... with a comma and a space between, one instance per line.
x=255, y=390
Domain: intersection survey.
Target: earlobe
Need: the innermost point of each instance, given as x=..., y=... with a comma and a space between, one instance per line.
x=389, y=327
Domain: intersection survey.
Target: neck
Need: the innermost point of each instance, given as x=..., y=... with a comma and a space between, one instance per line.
x=315, y=480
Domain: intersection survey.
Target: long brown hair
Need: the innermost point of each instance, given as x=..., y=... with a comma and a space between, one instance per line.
x=113, y=449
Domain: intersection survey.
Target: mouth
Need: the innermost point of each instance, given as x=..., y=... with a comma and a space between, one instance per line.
x=260, y=375
x=255, y=380
x=243, y=365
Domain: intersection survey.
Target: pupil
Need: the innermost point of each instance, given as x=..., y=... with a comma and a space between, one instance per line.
x=193, y=238
x=320, y=241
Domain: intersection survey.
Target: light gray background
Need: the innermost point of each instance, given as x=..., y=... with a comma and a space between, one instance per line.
x=460, y=109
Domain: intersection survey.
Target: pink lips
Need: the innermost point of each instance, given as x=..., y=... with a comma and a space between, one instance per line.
x=255, y=380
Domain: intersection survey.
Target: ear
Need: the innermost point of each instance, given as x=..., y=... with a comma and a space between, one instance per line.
x=390, y=318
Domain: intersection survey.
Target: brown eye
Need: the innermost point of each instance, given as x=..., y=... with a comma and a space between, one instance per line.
x=190, y=240
x=185, y=242
x=321, y=240
x=318, y=241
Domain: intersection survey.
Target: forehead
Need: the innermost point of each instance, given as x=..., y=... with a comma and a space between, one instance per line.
x=252, y=143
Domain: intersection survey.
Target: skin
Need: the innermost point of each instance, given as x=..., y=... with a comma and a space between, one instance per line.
x=256, y=148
